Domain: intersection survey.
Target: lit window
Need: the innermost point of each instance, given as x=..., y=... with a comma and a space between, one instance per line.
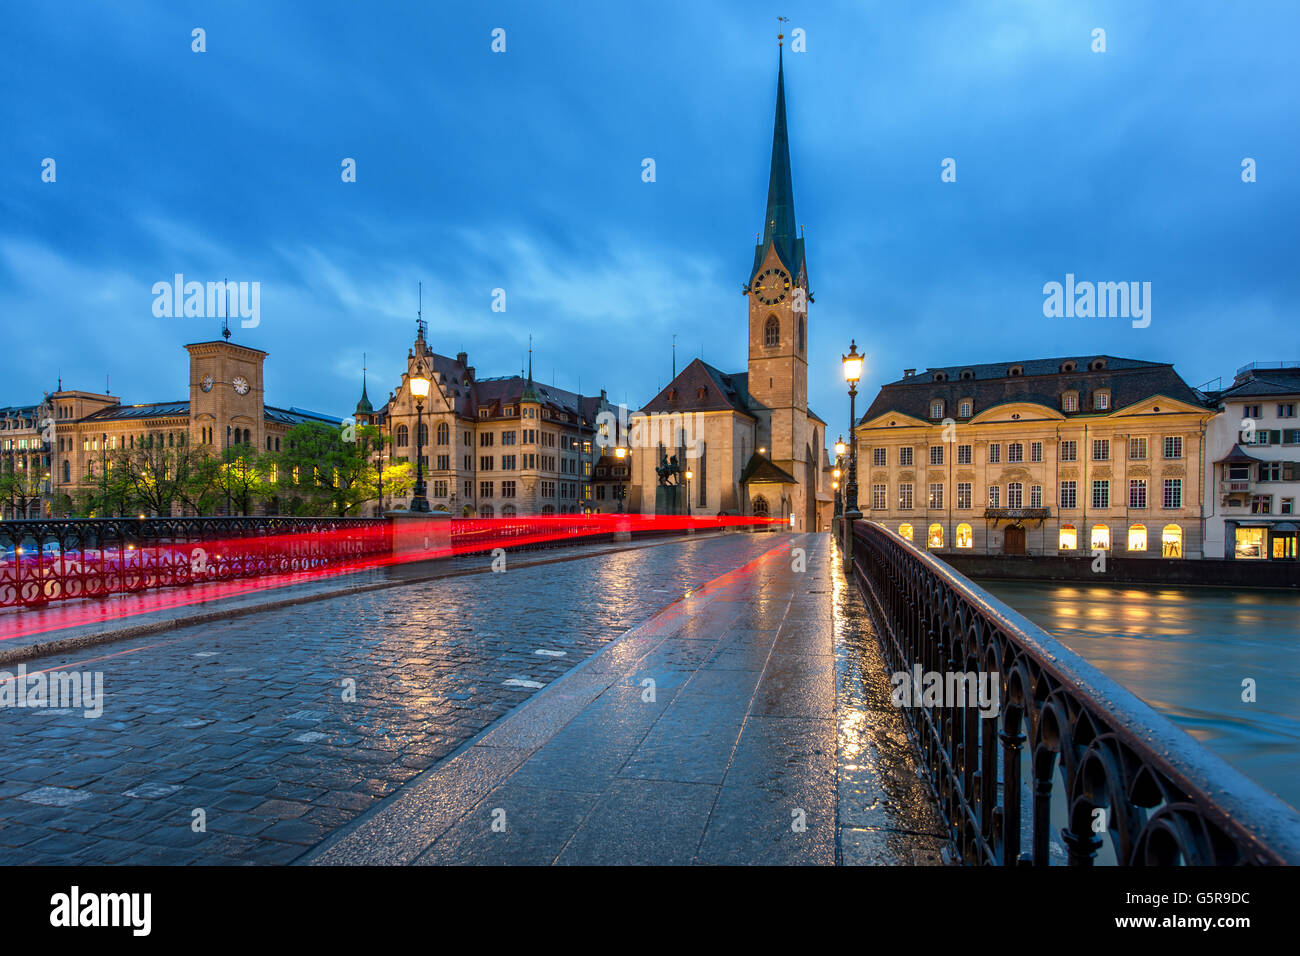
x=905, y=531
x=1137, y=538
x=935, y=537
x=1100, y=537
x=1069, y=538
x=965, y=536
x=1171, y=541
x=1250, y=543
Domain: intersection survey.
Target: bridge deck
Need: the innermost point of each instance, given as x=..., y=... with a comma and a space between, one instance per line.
x=770, y=709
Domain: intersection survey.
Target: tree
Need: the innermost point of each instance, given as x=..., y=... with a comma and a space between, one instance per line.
x=19, y=489
x=334, y=476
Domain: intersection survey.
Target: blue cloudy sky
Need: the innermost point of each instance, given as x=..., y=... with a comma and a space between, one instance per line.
x=522, y=171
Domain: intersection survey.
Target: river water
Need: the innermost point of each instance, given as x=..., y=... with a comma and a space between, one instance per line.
x=1186, y=651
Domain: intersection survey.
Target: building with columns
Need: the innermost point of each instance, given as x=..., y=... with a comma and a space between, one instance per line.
x=1044, y=456
x=490, y=446
x=748, y=438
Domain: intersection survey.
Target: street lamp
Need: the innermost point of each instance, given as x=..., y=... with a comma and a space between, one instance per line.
x=689, y=476
x=420, y=390
x=620, y=454
x=852, y=374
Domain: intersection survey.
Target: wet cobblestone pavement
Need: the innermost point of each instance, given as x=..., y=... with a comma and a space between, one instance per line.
x=277, y=728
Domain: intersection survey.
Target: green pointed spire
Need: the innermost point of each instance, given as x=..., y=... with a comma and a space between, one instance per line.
x=779, y=228
x=530, y=392
x=364, y=405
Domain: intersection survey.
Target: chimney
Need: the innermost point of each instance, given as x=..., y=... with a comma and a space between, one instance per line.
x=908, y=372
x=462, y=358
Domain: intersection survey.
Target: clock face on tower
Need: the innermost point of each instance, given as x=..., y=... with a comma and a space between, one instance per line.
x=241, y=384
x=206, y=384
x=771, y=286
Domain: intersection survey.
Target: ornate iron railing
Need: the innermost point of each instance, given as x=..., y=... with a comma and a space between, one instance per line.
x=1069, y=756
x=47, y=560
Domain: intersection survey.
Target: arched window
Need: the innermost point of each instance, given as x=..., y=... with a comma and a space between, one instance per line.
x=905, y=531
x=934, y=538
x=965, y=536
x=801, y=335
x=67, y=471
x=548, y=509
x=444, y=434
x=485, y=511
x=1171, y=541
x=424, y=433
x=760, y=506
x=1100, y=537
x=1069, y=540
x=403, y=436
x=508, y=511
x=772, y=333
x=1137, y=537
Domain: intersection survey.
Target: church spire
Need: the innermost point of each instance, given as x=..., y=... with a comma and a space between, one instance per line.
x=779, y=222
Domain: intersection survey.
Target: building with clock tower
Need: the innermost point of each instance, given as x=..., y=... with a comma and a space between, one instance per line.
x=748, y=438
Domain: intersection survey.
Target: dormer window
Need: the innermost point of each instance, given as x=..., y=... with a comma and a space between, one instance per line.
x=1069, y=401
x=941, y=376
x=1096, y=365
x=484, y=412
x=967, y=373
x=965, y=407
x=672, y=394
x=701, y=392
x=936, y=408
x=1101, y=399
x=1069, y=366
x=1016, y=370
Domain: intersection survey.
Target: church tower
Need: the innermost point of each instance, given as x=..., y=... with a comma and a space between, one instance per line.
x=778, y=310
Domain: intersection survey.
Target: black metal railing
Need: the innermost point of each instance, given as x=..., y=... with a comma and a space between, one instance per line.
x=1068, y=757
x=46, y=560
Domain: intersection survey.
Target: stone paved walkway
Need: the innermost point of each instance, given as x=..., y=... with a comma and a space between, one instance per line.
x=247, y=719
x=744, y=724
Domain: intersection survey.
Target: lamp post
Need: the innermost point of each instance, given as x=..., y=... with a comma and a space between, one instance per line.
x=840, y=449
x=420, y=391
x=852, y=374
x=689, y=476
x=620, y=455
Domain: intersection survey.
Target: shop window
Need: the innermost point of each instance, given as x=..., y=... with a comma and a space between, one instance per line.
x=1100, y=537
x=965, y=536
x=1069, y=539
x=905, y=531
x=1137, y=538
x=1249, y=543
x=934, y=538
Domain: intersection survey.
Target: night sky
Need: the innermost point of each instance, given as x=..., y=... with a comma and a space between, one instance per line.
x=522, y=170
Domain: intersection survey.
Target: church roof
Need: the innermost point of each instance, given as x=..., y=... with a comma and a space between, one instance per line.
x=363, y=405
x=760, y=468
x=702, y=388
x=779, y=226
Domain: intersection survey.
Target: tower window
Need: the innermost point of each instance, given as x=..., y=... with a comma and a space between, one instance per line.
x=772, y=333
x=801, y=335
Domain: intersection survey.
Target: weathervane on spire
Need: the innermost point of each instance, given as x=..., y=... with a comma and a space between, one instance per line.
x=421, y=327
x=780, y=37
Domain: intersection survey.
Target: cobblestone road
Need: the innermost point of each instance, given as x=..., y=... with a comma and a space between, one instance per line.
x=248, y=726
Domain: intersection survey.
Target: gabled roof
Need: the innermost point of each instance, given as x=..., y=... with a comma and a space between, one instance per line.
x=1039, y=382
x=702, y=388
x=760, y=468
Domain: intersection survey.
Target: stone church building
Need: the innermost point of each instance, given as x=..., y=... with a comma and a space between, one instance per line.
x=751, y=443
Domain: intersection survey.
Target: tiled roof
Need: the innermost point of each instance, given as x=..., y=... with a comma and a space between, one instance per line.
x=1040, y=381
x=702, y=388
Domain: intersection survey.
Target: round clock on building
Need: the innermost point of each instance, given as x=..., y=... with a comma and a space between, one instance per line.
x=206, y=384
x=772, y=286
x=241, y=384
